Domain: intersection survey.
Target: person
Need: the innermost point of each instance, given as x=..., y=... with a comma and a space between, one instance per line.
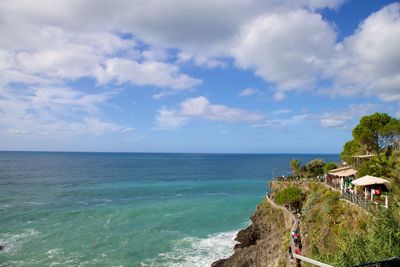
x=290, y=253
x=296, y=238
x=2, y=247
x=297, y=251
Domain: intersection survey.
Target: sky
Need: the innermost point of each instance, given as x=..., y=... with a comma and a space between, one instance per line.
x=222, y=76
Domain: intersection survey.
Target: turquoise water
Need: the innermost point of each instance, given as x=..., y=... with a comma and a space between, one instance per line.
x=121, y=209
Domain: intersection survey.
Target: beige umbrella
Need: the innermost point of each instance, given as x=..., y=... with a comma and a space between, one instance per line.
x=369, y=180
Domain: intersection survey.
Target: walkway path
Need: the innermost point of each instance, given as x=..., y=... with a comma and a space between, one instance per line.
x=296, y=222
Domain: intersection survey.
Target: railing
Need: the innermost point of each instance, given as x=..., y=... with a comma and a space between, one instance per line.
x=311, y=261
x=356, y=199
x=334, y=186
x=362, y=201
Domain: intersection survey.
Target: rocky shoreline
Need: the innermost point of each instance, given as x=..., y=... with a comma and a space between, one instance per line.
x=264, y=242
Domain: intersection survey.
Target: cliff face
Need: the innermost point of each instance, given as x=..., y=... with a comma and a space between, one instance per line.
x=326, y=223
x=264, y=242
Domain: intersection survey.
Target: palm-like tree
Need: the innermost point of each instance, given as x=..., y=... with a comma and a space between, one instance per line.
x=295, y=166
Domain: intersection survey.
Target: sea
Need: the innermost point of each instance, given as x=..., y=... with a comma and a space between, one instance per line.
x=130, y=209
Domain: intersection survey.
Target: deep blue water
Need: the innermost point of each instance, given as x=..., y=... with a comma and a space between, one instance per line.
x=122, y=209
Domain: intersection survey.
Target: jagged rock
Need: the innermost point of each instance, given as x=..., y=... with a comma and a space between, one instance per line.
x=218, y=263
x=260, y=244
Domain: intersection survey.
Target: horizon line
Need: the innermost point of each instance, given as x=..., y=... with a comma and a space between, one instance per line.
x=141, y=152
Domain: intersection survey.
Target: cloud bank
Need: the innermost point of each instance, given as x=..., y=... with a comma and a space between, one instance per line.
x=201, y=108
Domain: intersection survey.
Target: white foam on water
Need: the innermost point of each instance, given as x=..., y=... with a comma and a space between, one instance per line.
x=196, y=252
x=5, y=206
x=107, y=223
x=54, y=252
x=14, y=241
x=36, y=203
x=218, y=194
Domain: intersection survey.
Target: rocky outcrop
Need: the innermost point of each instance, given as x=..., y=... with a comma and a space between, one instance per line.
x=264, y=242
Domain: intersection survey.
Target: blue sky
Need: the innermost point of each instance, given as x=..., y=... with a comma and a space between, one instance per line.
x=187, y=76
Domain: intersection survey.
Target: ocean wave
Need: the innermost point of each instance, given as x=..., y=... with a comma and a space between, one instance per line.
x=36, y=203
x=5, y=206
x=14, y=241
x=218, y=194
x=196, y=252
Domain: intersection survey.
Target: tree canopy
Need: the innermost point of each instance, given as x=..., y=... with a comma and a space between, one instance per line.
x=314, y=167
x=375, y=133
x=329, y=166
x=349, y=149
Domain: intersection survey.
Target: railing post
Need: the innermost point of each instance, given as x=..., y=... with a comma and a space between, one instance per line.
x=386, y=202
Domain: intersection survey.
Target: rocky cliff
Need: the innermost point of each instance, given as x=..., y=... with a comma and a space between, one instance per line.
x=264, y=242
x=327, y=223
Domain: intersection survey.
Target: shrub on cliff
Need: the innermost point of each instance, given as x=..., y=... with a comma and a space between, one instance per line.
x=327, y=222
x=380, y=243
x=289, y=196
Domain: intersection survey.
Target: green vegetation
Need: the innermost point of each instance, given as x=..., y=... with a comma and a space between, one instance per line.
x=327, y=221
x=381, y=165
x=315, y=167
x=312, y=169
x=342, y=234
x=349, y=149
x=329, y=166
x=377, y=134
x=289, y=196
x=374, y=134
x=382, y=241
x=295, y=166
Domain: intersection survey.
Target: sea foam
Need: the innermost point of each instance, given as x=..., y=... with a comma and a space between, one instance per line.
x=196, y=252
x=14, y=241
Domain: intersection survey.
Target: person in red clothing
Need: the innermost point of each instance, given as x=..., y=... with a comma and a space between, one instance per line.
x=297, y=251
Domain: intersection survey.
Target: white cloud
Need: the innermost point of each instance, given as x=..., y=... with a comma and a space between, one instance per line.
x=368, y=62
x=169, y=119
x=56, y=54
x=289, y=49
x=147, y=73
x=248, y=92
x=195, y=28
x=287, y=43
x=281, y=111
x=54, y=111
x=345, y=118
x=281, y=123
x=201, y=108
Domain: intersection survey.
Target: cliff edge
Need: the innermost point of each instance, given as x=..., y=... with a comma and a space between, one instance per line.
x=327, y=222
x=264, y=242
